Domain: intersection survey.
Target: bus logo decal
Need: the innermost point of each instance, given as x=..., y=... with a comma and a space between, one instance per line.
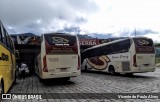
x=143, y=42
x=61, y=40
x=4, y=57
x=99, y=63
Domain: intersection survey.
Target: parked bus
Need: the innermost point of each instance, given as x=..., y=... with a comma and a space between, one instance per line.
x=7, y=61
x=127, y=56
x=59, y=56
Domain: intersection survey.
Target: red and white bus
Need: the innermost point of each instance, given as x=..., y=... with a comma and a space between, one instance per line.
x=130, y=55
x=59, y=56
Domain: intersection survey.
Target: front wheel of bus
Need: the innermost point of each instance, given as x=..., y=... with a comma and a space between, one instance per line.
x=111, y=70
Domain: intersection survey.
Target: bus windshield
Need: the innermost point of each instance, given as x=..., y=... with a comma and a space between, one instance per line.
x=61, y=44
x=144, y=45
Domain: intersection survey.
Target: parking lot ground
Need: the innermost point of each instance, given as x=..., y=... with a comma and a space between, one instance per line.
x=90, y=87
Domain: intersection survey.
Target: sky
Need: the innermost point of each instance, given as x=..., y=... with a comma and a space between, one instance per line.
x=110, y=18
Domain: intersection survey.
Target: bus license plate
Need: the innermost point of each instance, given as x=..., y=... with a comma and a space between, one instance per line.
x=63, y=69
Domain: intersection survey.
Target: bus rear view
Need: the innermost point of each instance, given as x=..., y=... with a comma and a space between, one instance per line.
x=61, y=57
x=144, y=56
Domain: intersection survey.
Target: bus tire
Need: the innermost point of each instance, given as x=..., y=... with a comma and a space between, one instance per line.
x=66, y=78
x=129, y=74
x=41, y=80
x=1, y=90
x=111, y=70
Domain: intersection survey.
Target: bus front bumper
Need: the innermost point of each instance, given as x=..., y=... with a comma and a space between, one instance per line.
x=142, y=69
x=61, y=75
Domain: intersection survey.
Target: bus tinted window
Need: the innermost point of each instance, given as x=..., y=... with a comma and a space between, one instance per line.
x=11, y=44
x=0, y=34
x=60, y=39
x=8, y=41
x=3, y=36
x=118, y=47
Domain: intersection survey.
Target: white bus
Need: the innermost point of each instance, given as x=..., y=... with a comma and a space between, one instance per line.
x=126, y=56
x=59, y=56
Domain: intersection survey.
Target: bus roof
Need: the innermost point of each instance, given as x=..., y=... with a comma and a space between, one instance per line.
x=100, y=45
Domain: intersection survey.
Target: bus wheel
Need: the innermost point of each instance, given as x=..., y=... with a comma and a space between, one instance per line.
x=129, y=74
x=111, y=70
x=41, y=80
x=66, y=78
x=1, y=91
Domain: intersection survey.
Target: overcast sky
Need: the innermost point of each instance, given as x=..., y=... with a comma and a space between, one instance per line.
x=116, y=17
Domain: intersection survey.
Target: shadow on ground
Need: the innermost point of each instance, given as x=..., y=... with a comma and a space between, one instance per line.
x=135, y=75
x=56, y=82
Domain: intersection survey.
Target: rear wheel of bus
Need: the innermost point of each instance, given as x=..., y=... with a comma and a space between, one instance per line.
x=66, y=79
x=111, y=70
x=129, y=74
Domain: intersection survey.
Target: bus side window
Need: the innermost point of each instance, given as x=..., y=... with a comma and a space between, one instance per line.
x=104, y=50
x=124, y=46
x=12, y=46
x=89, y=54
x=3, y=36
x=99, y=51
x=93, y=53
x=7, y=39
x=17, y=54
x=110, y=49
x=0, y=34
